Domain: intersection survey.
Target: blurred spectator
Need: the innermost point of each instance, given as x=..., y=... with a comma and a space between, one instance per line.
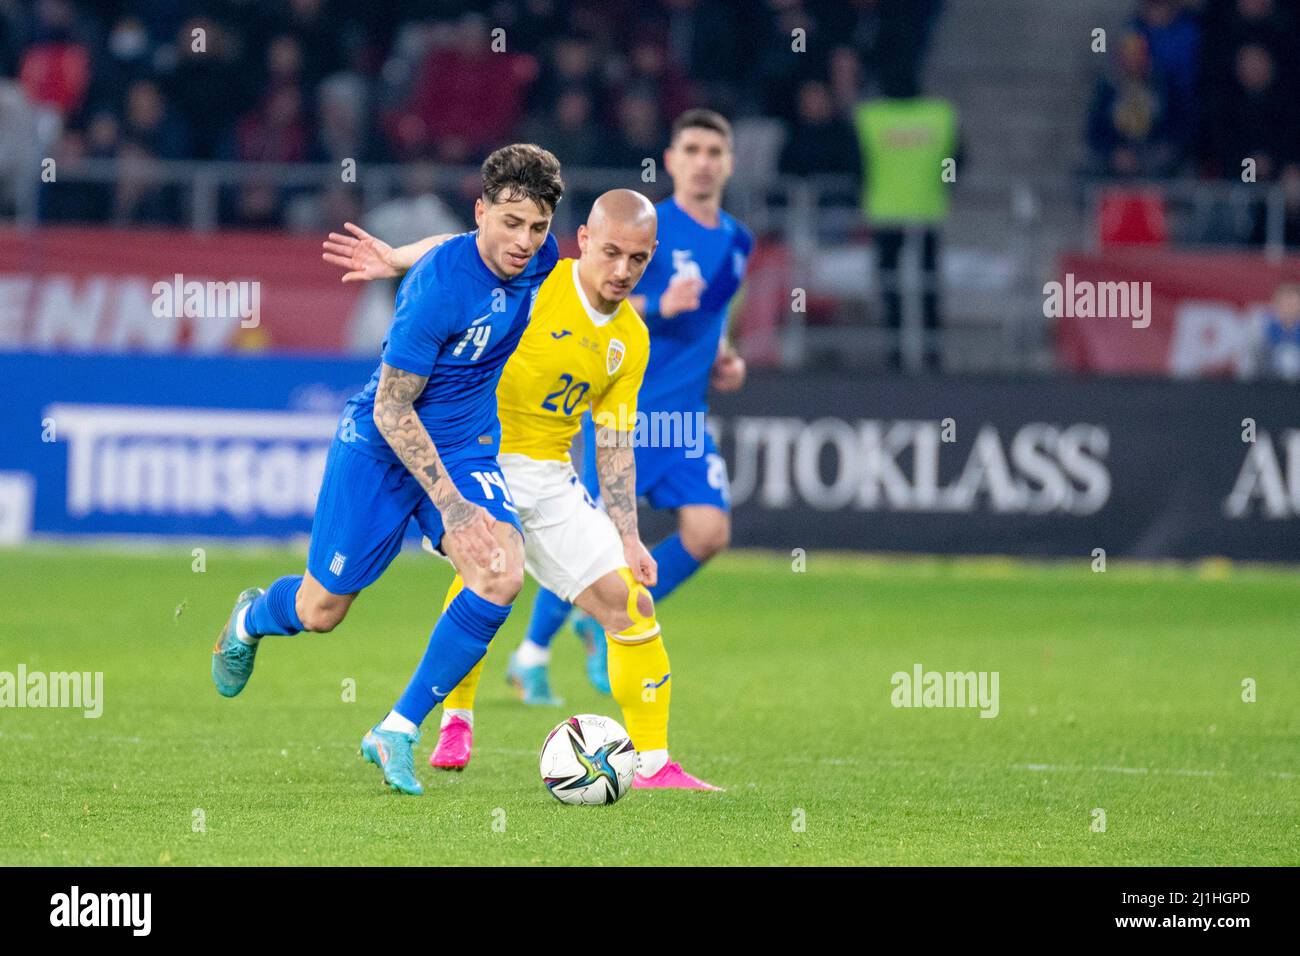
x=276, y=131
x=11, y=30
x=569, y=133
x=284, y=63
x=342, y=127
x=316, y=36
x=291, y=80
x=73, y=200
x=128, y=57
x=652, y=75
x=55, y=68
x=466, y=99
x=26, y=132
x=1173, y=36
x=149, y=132
x=903, y=35
x=639, y=135
x=571, y=63
x=1230, y=24
x=1128, y=123
x=819, y=141
x=1281, y=334
x=786, y=58
x=152, y=125
x=209, y=85
x=1254, y=119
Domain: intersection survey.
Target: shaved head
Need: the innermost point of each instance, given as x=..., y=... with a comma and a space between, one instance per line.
x=626, y=208
x=617, y=243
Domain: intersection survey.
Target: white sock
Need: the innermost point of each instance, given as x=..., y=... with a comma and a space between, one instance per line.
x=449, y=712
x=650, y=762
x=396, y=722
x=241, y=631
x=532, y=655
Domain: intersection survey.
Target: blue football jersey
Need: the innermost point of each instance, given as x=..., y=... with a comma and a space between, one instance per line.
x=682, y=349
x=456, y=322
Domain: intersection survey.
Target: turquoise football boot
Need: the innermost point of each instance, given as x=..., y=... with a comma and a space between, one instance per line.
x=232, y=659
x=394, y=754
x=533, y=684
x=593, y=635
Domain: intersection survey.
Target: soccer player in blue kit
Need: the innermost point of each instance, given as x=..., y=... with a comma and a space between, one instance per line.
x=683, y=297
x=420, y=441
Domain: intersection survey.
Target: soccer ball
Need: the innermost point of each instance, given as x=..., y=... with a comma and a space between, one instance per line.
x=588, y=759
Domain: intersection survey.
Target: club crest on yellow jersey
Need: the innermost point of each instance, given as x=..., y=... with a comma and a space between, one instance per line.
x=614, y=356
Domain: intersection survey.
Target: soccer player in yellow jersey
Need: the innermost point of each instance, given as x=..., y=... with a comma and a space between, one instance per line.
x=585, y=348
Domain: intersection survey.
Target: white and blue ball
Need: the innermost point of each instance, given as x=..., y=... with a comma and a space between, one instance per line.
x=588, y=760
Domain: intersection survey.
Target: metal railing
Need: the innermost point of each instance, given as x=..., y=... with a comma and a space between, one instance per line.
x=1205, y=213
x=812, y=218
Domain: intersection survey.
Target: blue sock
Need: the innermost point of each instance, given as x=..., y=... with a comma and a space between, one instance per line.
x=675, y=566
x=274, y=612
x=459, y=641
x=549, y=613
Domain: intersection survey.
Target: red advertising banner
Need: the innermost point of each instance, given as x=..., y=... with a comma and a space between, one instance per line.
x=1161, y=312
x=142, y=291
x=160, y=291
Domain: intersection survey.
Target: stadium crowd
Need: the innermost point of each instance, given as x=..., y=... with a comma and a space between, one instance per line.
x=290, y=81
x=1194, y=87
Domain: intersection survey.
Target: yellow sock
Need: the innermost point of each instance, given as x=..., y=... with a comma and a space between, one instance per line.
x=462, y=696
x=639, y=681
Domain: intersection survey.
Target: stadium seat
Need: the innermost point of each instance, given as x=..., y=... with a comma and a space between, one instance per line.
x=1128, y=217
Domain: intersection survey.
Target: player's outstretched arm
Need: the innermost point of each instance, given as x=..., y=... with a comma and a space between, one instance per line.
x=616, y=471
x=365, y=257
x=396, y=420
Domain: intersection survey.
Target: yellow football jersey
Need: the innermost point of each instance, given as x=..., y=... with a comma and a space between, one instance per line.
x=570, y=358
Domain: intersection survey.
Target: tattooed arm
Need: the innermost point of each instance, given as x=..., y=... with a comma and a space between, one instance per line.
x=616, y=469
x=468, y=524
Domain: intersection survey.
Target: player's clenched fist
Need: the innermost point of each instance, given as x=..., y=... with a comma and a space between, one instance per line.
x=682, y=295
x=469, y=526
x=644, y=567
x=364, y=256
x=728, y=372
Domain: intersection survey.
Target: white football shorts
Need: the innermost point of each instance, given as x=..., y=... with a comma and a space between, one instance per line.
x=569, y=541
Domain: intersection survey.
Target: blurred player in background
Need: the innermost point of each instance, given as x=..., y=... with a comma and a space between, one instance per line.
x=421, y=441
x=684, y=298
x=585, y=349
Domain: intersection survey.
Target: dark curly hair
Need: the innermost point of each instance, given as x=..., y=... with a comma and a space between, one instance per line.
x=523, y=171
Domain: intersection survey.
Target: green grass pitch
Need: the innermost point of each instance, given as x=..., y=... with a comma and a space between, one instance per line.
x=1120, y=692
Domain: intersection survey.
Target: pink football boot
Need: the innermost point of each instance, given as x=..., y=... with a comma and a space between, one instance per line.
x=454, y=744
x=671, y=776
